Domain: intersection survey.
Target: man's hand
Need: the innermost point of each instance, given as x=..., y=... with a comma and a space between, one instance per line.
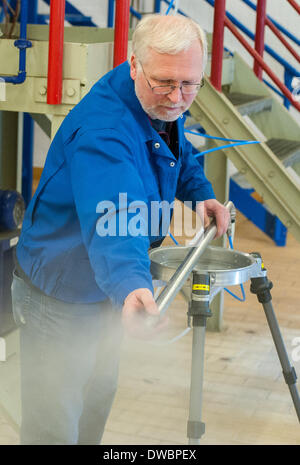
x=213, y=208
x=140, y=315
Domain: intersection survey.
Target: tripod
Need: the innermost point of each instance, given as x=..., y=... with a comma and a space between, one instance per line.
x=199, y=312
x=205, y=274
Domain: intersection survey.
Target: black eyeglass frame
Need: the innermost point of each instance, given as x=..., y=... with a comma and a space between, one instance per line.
x=172, y=87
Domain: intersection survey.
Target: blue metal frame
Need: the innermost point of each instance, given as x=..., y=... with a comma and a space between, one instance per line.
x=22, y=44
x=135, y=13
x=27, y=165
x=28, y=15
x=178, y=11
x=72, y=15
x=257, y=213
x=111, y=13
x=274, y=89
x=157, y=6
x=33, y=12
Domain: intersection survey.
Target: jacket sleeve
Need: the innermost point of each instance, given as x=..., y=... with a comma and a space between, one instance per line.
x=102, y=166
x=192, y=183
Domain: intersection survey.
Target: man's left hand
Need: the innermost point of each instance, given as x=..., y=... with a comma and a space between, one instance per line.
x=212, y=208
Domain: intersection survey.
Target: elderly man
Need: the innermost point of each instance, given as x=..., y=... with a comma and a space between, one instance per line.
x=75, y=283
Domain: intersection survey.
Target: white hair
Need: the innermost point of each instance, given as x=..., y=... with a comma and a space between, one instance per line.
x=167, y=34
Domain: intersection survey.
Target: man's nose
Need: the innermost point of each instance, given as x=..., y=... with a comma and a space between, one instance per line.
x=175, y=96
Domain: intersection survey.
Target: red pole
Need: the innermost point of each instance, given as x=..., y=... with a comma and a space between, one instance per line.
x=55, y=57
x=121, y=31
x=260, y=35
x=218, y=45
x=261, y=62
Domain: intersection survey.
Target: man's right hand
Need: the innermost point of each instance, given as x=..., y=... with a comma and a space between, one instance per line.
x=140, y=315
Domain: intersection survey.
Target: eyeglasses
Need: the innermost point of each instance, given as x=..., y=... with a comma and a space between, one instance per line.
x=186, y=89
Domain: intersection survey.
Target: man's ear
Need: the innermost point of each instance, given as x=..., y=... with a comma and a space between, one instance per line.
x=133, y=70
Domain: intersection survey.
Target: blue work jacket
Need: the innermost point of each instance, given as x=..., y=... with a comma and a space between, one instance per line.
x=104, y=147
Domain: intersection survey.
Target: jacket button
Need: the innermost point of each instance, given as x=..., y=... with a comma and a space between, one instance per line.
x=172, y=164
x=157, y=145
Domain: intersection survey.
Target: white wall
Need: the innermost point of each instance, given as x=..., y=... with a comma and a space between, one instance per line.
x=203, y=13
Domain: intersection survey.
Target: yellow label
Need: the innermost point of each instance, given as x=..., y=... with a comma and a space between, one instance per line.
x=262, y=265
x=200, y=287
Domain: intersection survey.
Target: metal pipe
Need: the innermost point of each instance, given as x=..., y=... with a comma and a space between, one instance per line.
x=182, y=273
x=20, y=152
x=121, y=31
x=218, y=45
x=259, y=44
x=157, y=6
x=22, y=43
x=110, y=13
x=55, y=57
x=135, y=13
x=27, y=163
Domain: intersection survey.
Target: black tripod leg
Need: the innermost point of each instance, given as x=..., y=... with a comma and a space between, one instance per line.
x=261, y=287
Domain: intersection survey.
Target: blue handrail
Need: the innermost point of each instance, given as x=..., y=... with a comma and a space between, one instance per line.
x=22, y=44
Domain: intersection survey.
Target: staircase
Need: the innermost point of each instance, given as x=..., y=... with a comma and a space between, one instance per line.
x=248, y=110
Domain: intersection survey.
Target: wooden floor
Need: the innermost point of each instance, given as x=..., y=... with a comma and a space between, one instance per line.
x=246, y=400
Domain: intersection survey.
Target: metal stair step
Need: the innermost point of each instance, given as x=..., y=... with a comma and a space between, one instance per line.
x=248, y=104
x=288, y=151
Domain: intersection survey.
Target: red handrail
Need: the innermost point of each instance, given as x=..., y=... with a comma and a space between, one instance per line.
x=55, y=57
x=265, y=67
x=217, y=57
x=261, y=21
x=282, y=39
x=218, y=45
x=121, y=31
x=294, y=5
x=260, y=34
